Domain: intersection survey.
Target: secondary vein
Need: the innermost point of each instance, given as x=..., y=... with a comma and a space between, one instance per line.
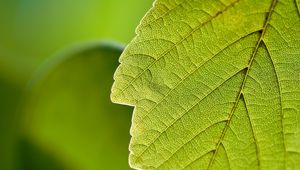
x=179, y=42
x=280, y=99
x=176, y=120
x=164, y=14
x=254, y=137
x=180, y=82
x=297, y=7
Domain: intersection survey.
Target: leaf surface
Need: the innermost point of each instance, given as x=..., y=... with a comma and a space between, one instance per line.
x=215, y=85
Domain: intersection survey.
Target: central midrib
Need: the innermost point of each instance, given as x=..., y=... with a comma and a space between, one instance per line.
x=259, y=42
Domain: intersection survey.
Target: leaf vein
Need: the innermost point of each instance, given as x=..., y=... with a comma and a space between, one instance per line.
x=196, y=69
x=197, y=134
x=280, y=98
x=254, y=137
x=179, y=42
x=197, y=159
x=267, y=20
x=164, y=14
x=188, y=75
x=297, y=7
x=176, y=120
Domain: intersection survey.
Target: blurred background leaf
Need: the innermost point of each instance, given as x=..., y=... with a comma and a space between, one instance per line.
x=65, y=120
x=32, y=157
x=35, y=29
x=79, y=125
x=9, y=107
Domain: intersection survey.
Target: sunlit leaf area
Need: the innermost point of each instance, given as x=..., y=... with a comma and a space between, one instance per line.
x=150, y=84
x=220, y=91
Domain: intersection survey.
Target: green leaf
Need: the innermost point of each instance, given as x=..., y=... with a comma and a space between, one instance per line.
x=31, y=156
x=215, y=85
x=69, y=114
x=11, y=95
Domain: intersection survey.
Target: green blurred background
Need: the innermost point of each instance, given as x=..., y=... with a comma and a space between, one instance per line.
x=57, y=59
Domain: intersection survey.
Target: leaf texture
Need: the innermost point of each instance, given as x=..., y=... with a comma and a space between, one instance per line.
x=215, y=85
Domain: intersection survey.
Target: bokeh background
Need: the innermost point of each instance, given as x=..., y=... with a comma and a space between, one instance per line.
x=57, y=59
